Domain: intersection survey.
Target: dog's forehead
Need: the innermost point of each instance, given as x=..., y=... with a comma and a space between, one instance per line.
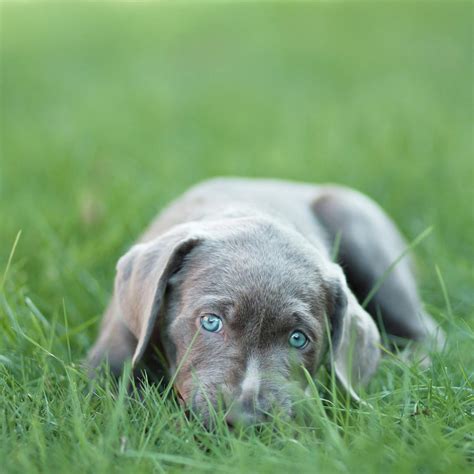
x=262, y=254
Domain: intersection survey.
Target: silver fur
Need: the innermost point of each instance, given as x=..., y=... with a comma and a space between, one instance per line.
x=258, y=254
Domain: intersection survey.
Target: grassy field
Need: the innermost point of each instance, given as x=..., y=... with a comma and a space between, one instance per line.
x=108, y=111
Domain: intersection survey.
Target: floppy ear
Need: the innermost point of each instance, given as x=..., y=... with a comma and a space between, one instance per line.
x=355, y=339
x=140, y=284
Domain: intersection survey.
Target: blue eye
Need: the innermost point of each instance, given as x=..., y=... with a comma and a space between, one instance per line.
x=211, y=323
x=298, y=339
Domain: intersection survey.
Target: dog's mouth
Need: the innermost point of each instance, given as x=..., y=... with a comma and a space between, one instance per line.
x=234, y=415
x=211, y=412
x=179, y=397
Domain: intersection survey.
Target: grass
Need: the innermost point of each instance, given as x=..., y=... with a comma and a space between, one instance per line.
x=110, y=110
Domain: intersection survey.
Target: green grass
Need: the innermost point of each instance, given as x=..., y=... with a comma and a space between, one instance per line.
x=109, y=111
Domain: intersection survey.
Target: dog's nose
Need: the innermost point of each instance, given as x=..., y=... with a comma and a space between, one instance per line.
x=245, y=412
x=236, y=418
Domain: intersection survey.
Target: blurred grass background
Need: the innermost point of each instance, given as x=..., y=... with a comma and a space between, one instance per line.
x=110, y=110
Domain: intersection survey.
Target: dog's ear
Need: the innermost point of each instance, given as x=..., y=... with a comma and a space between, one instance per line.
x=140, y=284
x=355, y=339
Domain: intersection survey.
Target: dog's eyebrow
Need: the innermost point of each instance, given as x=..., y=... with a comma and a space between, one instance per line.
x=300, y=311
x=212, y=302
x=303, y=317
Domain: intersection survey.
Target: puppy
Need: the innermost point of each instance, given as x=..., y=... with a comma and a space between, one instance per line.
x=233, y=288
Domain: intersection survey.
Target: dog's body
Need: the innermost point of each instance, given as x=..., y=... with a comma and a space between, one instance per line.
x=253, y=258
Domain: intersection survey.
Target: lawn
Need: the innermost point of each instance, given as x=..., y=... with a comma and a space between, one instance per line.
x=110, y=110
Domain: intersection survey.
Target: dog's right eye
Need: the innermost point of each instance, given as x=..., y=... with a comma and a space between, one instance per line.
x=211, y=322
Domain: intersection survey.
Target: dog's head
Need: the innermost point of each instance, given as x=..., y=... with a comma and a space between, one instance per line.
x=238, y=307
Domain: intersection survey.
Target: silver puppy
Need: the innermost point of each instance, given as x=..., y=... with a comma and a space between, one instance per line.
x=234, y=285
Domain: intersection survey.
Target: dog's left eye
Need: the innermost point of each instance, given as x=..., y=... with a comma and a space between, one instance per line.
x=211, y=322
x=298, y=339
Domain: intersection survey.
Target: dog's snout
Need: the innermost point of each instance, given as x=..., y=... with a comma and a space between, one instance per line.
x=246, y=409
x=245, y=412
